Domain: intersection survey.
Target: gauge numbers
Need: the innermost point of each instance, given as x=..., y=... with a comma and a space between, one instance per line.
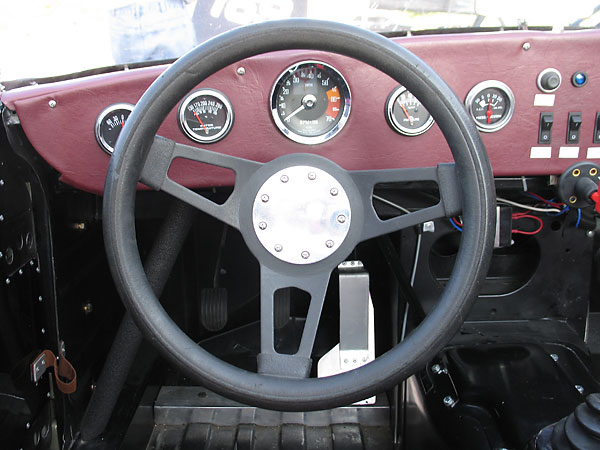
x=206, y=116
x=491, y=105
x=310, y=102
x=109, y=124
x=405, y=113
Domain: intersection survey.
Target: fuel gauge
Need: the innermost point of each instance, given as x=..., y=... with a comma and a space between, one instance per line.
x=206, y=116
x=406, y=114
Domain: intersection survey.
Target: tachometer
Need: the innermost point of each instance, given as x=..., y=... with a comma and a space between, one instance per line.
x=109, y=124
x=310, y=102
x=405, y=113
x=206, y=116
x=491, y=104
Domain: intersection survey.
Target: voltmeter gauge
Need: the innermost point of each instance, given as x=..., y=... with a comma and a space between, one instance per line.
x=206, y=116
x=109, y=124
x=310, y=102
x=405, y=113
x=491, y=104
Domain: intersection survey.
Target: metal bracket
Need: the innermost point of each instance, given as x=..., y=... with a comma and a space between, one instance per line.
x=357, y=325
x=38, y=368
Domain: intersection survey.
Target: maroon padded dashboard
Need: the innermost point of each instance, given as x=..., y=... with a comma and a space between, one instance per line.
x=64, y=135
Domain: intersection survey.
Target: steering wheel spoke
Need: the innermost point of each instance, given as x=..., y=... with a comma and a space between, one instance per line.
x=160, y=156
x=299, y=364
x=448, y=206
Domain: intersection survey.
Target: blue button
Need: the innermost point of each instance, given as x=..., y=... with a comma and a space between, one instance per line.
x=579, y=79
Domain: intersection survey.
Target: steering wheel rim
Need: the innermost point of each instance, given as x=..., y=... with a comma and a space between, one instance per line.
x=472, y=169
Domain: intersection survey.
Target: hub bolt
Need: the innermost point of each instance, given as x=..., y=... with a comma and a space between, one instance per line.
x=312, y=175
x=278, y=247
x=284, y=178
x=341, y=218
x=262, y=225
x=305, y=254
x=329, y=243
x=333, y=191
x=264, y=198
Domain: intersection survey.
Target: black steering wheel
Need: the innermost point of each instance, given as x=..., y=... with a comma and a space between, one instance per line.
x=282, y=381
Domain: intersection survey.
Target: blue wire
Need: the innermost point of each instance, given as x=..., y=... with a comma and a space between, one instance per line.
x=578, y=217
x=455, y=226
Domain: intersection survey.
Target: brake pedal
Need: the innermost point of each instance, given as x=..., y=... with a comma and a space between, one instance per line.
x=213, y=308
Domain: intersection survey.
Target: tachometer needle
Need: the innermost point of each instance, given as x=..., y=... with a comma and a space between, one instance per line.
x=287, y=119
x=408, y=116
x=489, y=111
x=197, y=117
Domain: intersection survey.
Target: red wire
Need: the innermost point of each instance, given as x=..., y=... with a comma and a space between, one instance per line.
x=518, y=216
x=548, y=202
x=457, y=222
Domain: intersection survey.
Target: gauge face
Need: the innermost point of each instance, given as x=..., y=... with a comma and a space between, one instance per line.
x=491, y=105
x=109, y=124
x=206, y=116
x=310, y=102
x=405, y=114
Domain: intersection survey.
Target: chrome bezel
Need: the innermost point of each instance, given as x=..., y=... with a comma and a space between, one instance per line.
x=105, y=112
x=544, y=72
x=485, y=85
x=228, y=118
x=312, y=140
x=397, y=126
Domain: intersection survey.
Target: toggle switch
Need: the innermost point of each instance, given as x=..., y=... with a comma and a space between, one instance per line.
x=545, y=132
x=597, y=129
x=573, y=127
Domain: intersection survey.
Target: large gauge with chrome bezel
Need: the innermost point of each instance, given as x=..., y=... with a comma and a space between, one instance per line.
x=491, y=104
x=310, y=102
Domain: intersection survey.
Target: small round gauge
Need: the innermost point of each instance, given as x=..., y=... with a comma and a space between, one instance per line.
x=206, y=116
x=109, y=124
x=310, y=102
x=405, y=114
x=491, y=105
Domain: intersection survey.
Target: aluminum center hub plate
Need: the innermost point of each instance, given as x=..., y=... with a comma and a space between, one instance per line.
x=301, y=215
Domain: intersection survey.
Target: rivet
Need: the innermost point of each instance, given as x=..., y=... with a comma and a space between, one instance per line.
x=448, y=401
x=241, y=71
x=40, y=298
x=554, y=356
x=52, y=103
x=28, y=425
x=37, y=269
x=572, y=199
x=329, y=243
x=305, y=254
x=278, y=247
x=20, y=271
x=341, y=218
x=576, y=172
x=1, y=182
x=1, y=217
x=7, y=281
x=526, y=46
x=333, y=191
x=43, y=331
x=262, y=225
x=264, y=198
x=312, y=175
x=579, y=389
x=284, y=178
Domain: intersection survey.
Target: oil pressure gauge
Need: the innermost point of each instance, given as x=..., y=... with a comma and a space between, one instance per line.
x=109, y=124
x=206, y=116
x=405, y=113
x=491, y=104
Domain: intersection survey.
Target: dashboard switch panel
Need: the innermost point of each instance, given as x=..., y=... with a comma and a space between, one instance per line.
x=545, y=133
x=597, y=129
x=573, y=126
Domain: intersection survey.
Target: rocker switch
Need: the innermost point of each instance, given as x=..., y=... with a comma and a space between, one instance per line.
x=597, y=129
x=545, y=133
x=573, y=128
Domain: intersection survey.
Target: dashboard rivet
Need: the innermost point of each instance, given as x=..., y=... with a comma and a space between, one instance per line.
x=264, y=198
x=341, y=218
x=52, y=103
x=312, y=175
x=579, y=389
x=278, y=247
x=262, y=225
x=284, y=178
x=526, y=46
x=241, y=71
x=305, y=254
x=329, y=243
x=333, y=191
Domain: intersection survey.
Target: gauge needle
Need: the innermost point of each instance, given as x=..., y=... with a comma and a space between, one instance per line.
x=489, y=111
x=287, y=119
x=197, y=117
x=406, y=113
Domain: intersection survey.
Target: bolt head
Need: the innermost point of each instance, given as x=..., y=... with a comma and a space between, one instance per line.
x=1, y=217
x=579, y=389
x=1, y=182
x=20, y=271
x=590, y=234
x=448, y=401
x=329, y=243
x=278, y=247
x=284, y=178
x=7, y=281
x=554, y=356
x=40, y=298
x=305, y=254
x=333, y=191
x=264, y=198
x=262, y=225
x=312, y=175
x=526, y=46
x=43, y=331
x=341, y=218
x=28, y=425
x=241, y=71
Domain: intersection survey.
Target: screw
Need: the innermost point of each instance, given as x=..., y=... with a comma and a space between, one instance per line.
x=37, y=269
x=305, y=254
x=40, y=298
x=7, y=281
x=241, y=71
x=341, y=218
x=52, y=103
x=449, y=401
x=526, y=46
x=579, y=389
x=262, y=225
x=43, y=331
x=436, y=368
x=1, y=217
x=284, y=178
x=264, y=198
x=20, y=271
x=554, y=356
x=278, y=247
x=333, y=191
x=329, y=243
x=312, y=175
x=28, y=425
x=1, y=182
x=590, y=234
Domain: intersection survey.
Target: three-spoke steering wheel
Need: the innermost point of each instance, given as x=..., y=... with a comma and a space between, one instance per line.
x=264, y=198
